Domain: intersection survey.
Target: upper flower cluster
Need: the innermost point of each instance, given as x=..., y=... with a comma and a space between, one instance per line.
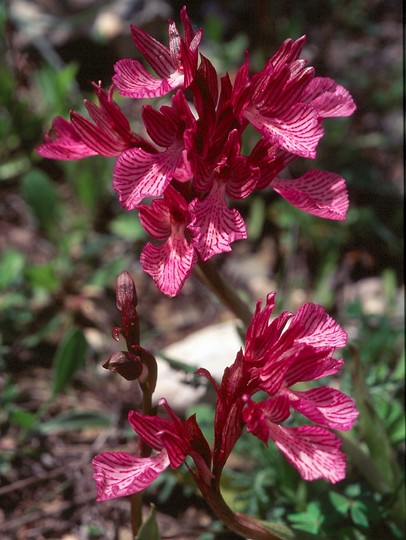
x=290, y=349
x=190, y=161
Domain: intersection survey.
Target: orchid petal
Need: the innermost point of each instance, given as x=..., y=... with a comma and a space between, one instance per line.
x=257, y=416
x=148, y=427
x=325, y=406
x=133, y=80
x=313, y=450
x=298, y=130
x=104, y=142
x=118, y=474
x=139, y=174
x=156, y=54
x=216, y=224
x=329, y=98
x=64, y=142
x=312, y=365
x=312, y=325
x=169, y=264
x=156, y=219
x=320, y=193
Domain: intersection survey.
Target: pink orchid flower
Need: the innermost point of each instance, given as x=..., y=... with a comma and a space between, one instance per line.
x=108, y=135
x=141, y=173
x=320, y=193
x=170, y=263
x=118, y=474
x=175, y=65
x=286, y=103
x=279, y=354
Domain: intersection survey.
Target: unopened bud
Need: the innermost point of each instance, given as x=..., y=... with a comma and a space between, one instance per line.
x=125, y=291
x=127, y=365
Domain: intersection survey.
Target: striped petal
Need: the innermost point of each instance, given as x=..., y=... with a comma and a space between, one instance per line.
x=105, y=142
x=320, y=193
x=148, y=427
x=118, y=474
x=325, y=406
x=313, y=450
x=156, y=219
x=258, y=416
x=133, y=80
x=157, y=55
x=312, y=325
x=298, y=130
x=312, y=365
x=170, y=263
x=215, y=225
x=329, y=98
x=64, y=142
x=139, y=174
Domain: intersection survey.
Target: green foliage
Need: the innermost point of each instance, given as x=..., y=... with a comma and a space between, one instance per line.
x=69, y=358
x=149, y=529
x=75, y=421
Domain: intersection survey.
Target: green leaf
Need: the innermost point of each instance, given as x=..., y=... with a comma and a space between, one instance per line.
x=358, y=513
x=76, y=420
x=11, y=267
x=374, y=431
x=41, y=195
x=42, y=276
x=69, y=358
x=128, y=227
x=21, y=418
x=149, y=529
x=308, y=521
x=340, y=503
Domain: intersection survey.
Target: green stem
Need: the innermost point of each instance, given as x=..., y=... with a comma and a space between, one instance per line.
x=144, y=451
x=210, y=277
x=242, y=524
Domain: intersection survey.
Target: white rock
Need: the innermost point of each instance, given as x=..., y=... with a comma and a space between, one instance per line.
x=214, y=348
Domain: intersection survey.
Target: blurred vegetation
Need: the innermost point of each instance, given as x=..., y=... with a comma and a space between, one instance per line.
x=64, y=239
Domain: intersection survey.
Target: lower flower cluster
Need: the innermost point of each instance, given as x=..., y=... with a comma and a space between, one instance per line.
x=278, y=354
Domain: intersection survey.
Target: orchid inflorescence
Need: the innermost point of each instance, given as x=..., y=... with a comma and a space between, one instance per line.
x=181, y=175
x=193, y=163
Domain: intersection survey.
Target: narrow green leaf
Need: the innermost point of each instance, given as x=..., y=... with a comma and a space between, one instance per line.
x=40, y=194
x=373, y=429
x=76, y=420
x=69, y=358
x=149, y=529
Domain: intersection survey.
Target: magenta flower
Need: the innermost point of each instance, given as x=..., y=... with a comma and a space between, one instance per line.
x=175, y=65
x=141, y=173
x=198, y=145
x=170, y=263
x=291, y=348
x=230, y=176
x=286, y=103
x=108, y=135
x=63, y=142
x=118, y=474
x=320, y=193
x=279, y=354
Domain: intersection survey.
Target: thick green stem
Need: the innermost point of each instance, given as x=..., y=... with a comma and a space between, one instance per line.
x=209, y=276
